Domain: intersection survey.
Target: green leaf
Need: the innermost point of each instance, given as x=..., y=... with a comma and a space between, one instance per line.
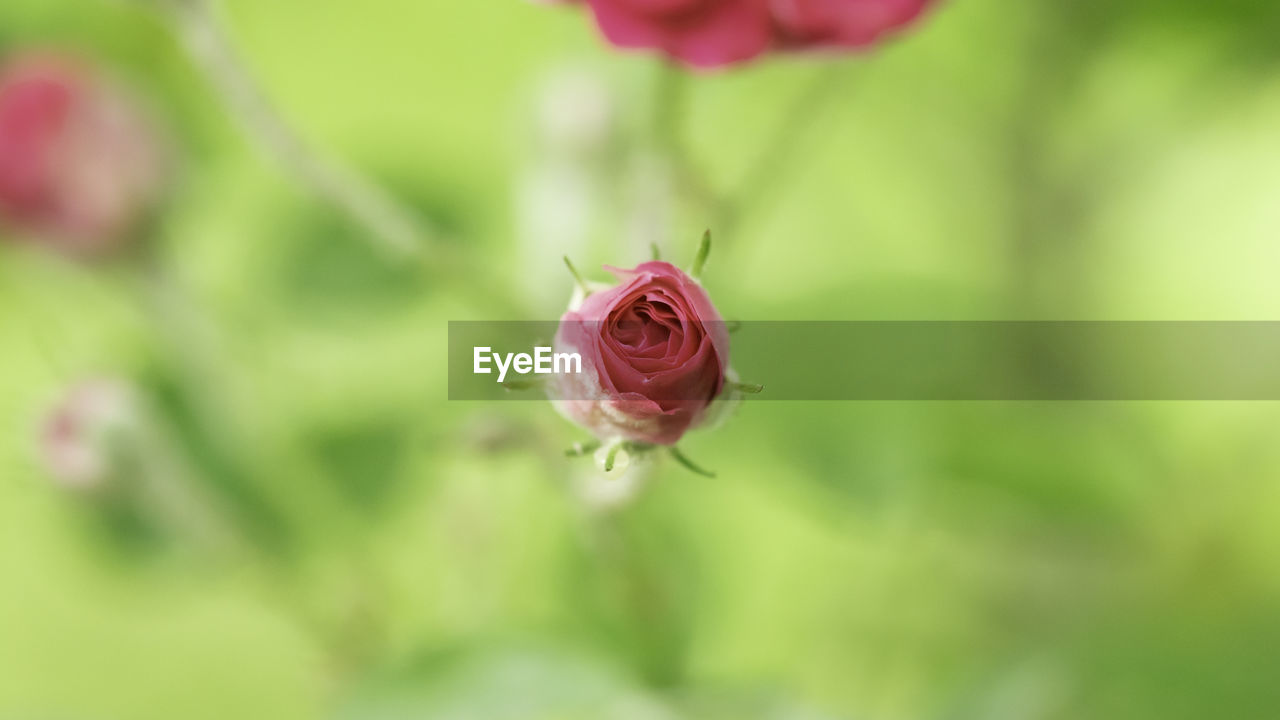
x=704, y=249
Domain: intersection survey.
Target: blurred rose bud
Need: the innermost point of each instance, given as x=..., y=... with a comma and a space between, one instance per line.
x=654, y=356
x=79, y=444
x=701, y=33
x=841, y=23
x=715, y=33
x=80, y=165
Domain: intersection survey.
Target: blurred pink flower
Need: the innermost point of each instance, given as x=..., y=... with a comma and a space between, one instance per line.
x=840, y=23
x=701, y=33
x=76, y=441
x=80, y=165
x=716, y=33
x=655, y=353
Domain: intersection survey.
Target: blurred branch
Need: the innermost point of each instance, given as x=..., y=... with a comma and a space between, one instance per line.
x=190, y=387
x=395, y=228
x=1048, y=263
x=645, y=592
x=766, y=170
x=671, y=100
x=670, y=121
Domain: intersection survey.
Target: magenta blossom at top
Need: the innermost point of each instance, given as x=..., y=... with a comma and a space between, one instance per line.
x=655, y=354
x=702, y=33
x=79, y=164
x=716, y=33
x=840, y=23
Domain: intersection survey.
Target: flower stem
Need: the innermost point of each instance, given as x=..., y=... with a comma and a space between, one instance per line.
x=766, y=170
x=187, y=353
x=394, y=228
x=671, y=112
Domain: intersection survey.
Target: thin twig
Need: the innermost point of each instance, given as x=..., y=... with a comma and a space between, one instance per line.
x=395, y=228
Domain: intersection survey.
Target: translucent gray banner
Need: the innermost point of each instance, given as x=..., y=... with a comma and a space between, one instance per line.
x=925, y=360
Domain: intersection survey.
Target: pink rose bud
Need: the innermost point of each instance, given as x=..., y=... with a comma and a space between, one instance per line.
x=79, y=163
x=654, y=352
x=76, y=444
x=715, y=33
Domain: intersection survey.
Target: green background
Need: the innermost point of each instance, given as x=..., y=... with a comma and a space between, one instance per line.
x=410, y=557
